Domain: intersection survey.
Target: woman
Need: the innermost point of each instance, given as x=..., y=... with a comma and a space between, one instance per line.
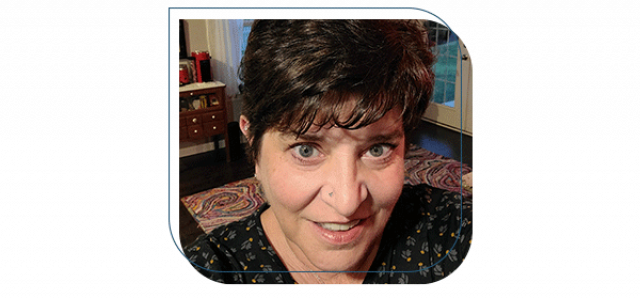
x=327, y=106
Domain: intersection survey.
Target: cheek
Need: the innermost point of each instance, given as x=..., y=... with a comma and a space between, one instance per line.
x=282, y=188
x=387, y=187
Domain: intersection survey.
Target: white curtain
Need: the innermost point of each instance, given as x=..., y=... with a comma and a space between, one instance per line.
x=225, y=39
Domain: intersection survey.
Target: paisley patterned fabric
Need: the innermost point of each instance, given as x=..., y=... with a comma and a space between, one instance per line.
x=425, y=167
x=233, y=201
x=222, y=205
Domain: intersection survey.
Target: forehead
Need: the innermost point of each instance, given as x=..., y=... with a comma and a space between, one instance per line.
x=387, y=128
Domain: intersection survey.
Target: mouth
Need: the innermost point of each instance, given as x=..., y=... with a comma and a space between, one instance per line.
x=340, y=233
x=339, y=227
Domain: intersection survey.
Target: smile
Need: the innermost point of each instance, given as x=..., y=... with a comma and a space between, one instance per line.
x=337, y=227
x=340, y=233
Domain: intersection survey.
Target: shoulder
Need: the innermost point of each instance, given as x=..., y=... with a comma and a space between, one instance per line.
x=236, y=253
x=214, y=254
x=439, y=211
x=427, y=236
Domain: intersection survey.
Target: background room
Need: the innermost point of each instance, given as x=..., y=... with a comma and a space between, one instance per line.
x=215, y=177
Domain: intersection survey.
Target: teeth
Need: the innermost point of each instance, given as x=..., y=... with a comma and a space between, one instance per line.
x=338, y=227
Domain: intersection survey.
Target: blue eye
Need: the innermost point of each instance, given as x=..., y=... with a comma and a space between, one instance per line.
x=380, y=150
x=305, y=151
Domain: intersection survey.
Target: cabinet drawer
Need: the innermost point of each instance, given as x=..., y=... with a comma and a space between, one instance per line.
x=183, y=133
x=212, y=116
x=195, y=131
x=213, y=128
x=192, y=120
x=216, y=90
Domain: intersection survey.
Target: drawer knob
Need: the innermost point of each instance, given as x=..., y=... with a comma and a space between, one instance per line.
x=191, y=93
x=195, y=131
x=214, y=128
x=213, y=116
x=195, y=120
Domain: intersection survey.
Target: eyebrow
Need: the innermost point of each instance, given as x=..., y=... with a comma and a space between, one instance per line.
x=307, y=137
x=386, y=137
x=378, y=138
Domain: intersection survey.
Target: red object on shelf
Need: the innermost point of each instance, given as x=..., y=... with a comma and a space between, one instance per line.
x=184, y=75
x=199, y=55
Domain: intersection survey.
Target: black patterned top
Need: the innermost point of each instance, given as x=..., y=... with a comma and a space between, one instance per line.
x=427, y=237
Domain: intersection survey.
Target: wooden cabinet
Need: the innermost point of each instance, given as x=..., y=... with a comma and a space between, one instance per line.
x=203, y=113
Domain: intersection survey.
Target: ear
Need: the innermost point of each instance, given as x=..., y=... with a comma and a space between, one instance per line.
x=244, y=127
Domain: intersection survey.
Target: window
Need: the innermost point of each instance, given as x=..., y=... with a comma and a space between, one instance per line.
x=446, y=51
x=246, y=28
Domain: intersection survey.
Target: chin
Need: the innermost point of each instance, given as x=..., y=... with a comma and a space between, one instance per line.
x=354, y=259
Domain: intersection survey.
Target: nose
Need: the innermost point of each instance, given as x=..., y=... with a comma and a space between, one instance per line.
x=346, y=189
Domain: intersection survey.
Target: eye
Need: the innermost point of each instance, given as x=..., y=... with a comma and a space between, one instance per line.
x=305, y=151
x=376, y=150
x=380, y=150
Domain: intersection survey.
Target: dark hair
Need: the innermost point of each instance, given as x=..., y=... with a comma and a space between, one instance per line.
x=297, y=73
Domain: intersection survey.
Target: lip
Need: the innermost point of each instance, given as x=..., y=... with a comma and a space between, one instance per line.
x=340, y=237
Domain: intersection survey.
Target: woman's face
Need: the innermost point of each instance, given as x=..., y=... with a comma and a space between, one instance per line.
x=332, y=190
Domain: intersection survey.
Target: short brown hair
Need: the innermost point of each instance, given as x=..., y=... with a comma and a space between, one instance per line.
x=297, y=73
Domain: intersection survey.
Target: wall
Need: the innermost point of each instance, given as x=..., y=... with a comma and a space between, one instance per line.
x=196, y=36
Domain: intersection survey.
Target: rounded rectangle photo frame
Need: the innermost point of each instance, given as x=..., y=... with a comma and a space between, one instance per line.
x=341, y=194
